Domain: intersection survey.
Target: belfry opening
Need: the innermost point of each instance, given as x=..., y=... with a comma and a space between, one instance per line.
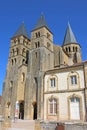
x=35, y=111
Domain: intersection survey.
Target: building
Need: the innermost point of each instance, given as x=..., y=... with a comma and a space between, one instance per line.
x=45, y=81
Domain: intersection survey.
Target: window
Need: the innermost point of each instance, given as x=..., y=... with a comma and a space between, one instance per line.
x=11, y=84
x=36, y=54
x=17, y=51
x=73, y=49
x=73, y=79
x=12, y=61
x=37, y=34
x=23, y=61
x=15, y=60
x=76, y=49
x=13, y=52
x=52, y=82
x=23, y=77
x=38, y=44
x=35, y=44
x=27, y=56
x=48, y=35
x=52, y=106
x=11, y=87
x=66, y=49
x=69, y=49
x=75, y=99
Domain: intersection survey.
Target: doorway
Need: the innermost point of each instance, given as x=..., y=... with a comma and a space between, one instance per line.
x=75, y=108
x=35, y=111
x=21, y=110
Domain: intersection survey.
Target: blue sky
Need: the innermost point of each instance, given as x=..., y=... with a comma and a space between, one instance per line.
x=57, y=14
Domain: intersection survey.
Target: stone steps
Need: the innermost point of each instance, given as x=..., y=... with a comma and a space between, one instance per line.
x=22, y=125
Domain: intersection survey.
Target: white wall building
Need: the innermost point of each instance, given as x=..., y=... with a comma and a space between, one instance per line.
x=64, y=94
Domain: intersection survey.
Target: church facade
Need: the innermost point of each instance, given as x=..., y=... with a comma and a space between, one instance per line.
x=43, y=80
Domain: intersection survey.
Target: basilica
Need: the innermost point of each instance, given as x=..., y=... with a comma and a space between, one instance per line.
x=45, y=81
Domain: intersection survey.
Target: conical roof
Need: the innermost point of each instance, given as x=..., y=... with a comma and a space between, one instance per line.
x=69, y=36
x=41, y=22
x=21, y=31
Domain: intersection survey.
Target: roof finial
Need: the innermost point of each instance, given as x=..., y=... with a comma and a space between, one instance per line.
x=23, y=22
x=68, y=23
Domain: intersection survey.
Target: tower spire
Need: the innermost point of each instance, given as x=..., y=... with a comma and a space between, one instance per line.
x=69, y=36
x=41, y=22
x=22, y=31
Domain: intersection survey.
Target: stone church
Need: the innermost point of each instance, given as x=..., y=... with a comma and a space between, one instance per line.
x=45, y=81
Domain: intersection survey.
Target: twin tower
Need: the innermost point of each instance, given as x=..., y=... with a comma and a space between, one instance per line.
x=29, y=59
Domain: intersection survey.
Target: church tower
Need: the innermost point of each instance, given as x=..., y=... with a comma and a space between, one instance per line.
x=14, y=84
x=40, y=60
x=71, y=47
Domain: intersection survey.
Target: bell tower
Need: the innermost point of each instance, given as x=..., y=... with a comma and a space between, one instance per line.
x=42, y=44
x=16, y=71
x=71, y=47
x=20, y=44
x=40, y=60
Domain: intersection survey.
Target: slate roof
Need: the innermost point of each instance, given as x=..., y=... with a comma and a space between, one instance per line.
x=69, y=36
x=41, y=22
x=22, y=31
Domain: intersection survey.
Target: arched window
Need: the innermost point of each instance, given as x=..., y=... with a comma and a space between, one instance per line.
x=38, y=44
x=23, y=61
x=76, y=49
x=13, y=52
x=52, y=106
x=12, y=61
x=66, y=49
x=69, y=49
x=11, y=87
x=11, y=84
x=23, y=77
x=18, y=40
x=27, y=56
x=15, y=60
x=37, y=34
x=35, y=44
x=17, y=50
x=52, y=83
x=73, y=48
x=73, y=80
x=36, y=54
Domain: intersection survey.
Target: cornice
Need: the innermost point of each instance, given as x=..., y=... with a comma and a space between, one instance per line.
x=64, y=91
x=65, y=69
